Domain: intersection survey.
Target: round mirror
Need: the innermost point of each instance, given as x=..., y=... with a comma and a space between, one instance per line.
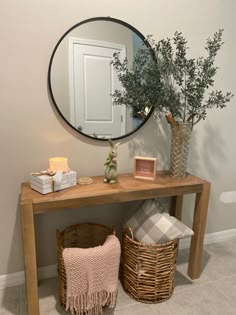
x=82, y=78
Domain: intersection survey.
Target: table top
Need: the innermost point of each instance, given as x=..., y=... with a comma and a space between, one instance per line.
x=126, y=189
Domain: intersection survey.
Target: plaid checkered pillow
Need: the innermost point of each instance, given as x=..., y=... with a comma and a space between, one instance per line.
x=151, y=225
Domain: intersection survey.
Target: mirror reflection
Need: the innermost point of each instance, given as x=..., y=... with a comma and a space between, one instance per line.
x=82, y=79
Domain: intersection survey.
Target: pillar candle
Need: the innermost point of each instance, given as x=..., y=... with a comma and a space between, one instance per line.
x=58, y=163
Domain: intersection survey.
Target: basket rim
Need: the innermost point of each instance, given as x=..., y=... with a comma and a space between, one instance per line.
x=128, y=228
x=110, y=228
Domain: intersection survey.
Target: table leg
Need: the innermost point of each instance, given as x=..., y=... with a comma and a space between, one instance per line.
x=199, y=225
x=28, y=238
x=176, y=207
x=176, y=210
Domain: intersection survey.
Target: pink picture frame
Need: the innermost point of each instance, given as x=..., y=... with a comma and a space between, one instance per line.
x=145, y=167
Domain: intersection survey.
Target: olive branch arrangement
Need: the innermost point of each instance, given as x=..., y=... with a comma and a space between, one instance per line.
x=162, y=77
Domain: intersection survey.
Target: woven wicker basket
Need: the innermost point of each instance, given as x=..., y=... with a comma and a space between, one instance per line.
x=82, y=235
x=148, y=270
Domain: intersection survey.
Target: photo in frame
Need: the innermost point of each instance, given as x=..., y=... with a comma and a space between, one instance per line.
x=145, y=167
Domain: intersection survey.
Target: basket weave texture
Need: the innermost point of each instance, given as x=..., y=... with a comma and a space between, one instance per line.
x=83, y=235
x=148, y=270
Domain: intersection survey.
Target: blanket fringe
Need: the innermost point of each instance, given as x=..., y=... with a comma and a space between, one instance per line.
x=91, y=303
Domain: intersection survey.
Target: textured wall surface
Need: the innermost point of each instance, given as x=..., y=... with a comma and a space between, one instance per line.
x=31, y=131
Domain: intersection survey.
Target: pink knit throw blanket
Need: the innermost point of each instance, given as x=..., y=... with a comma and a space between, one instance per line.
x=92, y=277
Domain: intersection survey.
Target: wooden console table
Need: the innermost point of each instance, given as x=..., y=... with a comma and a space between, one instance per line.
x=98, y=193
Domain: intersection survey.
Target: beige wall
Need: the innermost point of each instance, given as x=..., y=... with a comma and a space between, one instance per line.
x=31, y=131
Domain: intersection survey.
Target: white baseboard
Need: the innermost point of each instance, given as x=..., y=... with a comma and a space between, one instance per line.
x=12, y=279
x=211, y=238
x=47, y=272
x=18, y=278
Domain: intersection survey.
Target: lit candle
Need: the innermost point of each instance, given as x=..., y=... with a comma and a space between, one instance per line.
x=58, y=164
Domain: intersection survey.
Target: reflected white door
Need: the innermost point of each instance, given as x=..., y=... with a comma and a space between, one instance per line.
x=92, y=82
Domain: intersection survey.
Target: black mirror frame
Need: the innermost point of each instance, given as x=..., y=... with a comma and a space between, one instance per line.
x=50, y=66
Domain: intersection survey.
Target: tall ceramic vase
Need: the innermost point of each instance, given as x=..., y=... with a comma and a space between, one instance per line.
x=180, y=141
